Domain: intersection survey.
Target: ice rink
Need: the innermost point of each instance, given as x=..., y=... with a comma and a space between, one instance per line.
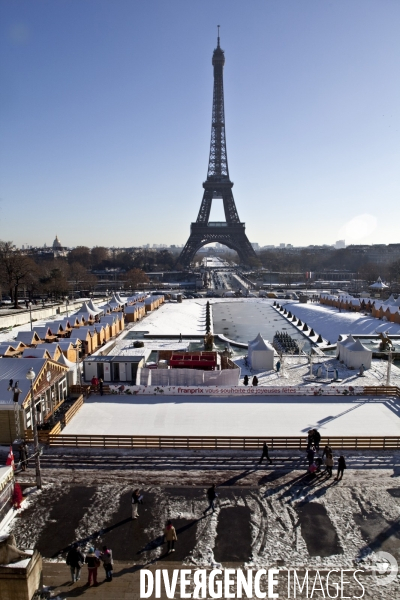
x=211, y=416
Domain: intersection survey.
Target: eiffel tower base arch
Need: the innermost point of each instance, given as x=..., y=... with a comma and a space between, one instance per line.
x=231, y=235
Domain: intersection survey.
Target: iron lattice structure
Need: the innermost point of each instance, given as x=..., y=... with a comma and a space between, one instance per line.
x=218, y=185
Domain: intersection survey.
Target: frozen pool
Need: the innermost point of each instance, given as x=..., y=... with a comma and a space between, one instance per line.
x=242, y=321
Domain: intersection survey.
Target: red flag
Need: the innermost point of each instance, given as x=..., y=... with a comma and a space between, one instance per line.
x=10, y=459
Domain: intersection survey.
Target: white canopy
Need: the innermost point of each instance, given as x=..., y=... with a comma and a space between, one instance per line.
x=390, y=300
x=260, y=354
x=85, y=309
x=73, y=369
x=93, y=307
x=357, y=355
x=342, y=347
x=378, y=285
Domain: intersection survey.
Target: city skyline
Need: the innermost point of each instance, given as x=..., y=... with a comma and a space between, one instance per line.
x=106, y=114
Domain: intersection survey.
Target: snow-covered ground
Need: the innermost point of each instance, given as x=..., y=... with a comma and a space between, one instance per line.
x=125, y=347
x=330, y=323
x=173, y=318
x=296, y=371
x=260, y=416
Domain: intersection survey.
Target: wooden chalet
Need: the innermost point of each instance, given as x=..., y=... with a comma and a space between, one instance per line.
x=45, y=333
x=49, y=389
x=70, y=349
x=29, y=338
x=39, y=352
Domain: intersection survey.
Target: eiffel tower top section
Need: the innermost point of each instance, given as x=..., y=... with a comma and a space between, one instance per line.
x=218, y=161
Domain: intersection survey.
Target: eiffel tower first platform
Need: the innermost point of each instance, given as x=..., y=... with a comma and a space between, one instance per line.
x=218, y=186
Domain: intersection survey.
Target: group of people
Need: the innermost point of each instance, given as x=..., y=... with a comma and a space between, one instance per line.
x=93, y=559
x=315, y=461
x=97, y=385
x=254, y=381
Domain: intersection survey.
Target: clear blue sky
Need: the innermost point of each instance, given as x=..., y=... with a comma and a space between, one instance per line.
x=105, y=111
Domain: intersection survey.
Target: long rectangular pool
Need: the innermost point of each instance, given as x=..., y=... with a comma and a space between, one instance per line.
x=243, y=321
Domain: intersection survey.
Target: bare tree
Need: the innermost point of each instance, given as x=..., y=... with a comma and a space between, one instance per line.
x=135, y=277
x=15, y=268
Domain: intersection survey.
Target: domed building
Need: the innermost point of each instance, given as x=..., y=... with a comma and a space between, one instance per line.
x=58, y=248
x=57, y=244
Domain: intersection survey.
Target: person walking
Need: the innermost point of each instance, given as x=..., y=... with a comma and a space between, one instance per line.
x=93, y=563
x=317, y=439
x=255, y=381
x=310, y=439
x=170, y=536
x=75, y=560
x=23, y=456
x=278, y=366
x=341, y=467
x=265, y=454
x=211, y=495
x=106, y=557
x=329, y=464
x=135, y=503
x=101, y=386
x=246, y=380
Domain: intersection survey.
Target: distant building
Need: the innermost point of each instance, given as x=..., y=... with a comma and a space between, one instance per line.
x=340, y=244
x=282, y=245
x=58, y=248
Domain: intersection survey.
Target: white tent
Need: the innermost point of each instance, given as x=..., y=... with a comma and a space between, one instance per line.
x=93, y=307
x=342, y=347
x=390, y=300
x=73, y=369
x=378, y=285
x=357, y=355
x=260, y=354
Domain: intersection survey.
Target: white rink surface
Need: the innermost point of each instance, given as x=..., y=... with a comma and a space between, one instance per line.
x=272, y=416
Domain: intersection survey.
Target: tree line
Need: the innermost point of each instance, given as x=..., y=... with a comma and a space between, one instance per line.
x=42, y=274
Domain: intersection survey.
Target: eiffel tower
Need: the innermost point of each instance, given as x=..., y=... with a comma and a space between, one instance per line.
x=230, y=232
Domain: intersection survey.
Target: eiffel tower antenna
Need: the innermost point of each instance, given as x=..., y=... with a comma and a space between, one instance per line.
x=218, y=185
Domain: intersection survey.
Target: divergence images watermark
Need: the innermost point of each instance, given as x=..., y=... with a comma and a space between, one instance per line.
x=263, y=583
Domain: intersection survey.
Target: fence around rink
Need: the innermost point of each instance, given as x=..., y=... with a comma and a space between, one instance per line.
x=219, y=443
x=56, y=438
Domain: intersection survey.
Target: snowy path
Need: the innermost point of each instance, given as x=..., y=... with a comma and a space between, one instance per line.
x=272, y=416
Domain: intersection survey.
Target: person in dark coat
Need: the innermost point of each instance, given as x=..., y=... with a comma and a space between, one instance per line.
x=106, y=557
x=23, y=456
x=255, y=381
x=317, y=439
x=75, y=560
x=93, y=563
x=341, y=467
x=310, y=439
x=101, y=385
x=310, y=456
x=211, y=495
x=246, y=380
x=278, y=366
x=265, y=454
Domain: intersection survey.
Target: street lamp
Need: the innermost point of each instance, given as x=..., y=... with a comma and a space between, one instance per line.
x=30, y=312
x=66, y=304
x=31, y=376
